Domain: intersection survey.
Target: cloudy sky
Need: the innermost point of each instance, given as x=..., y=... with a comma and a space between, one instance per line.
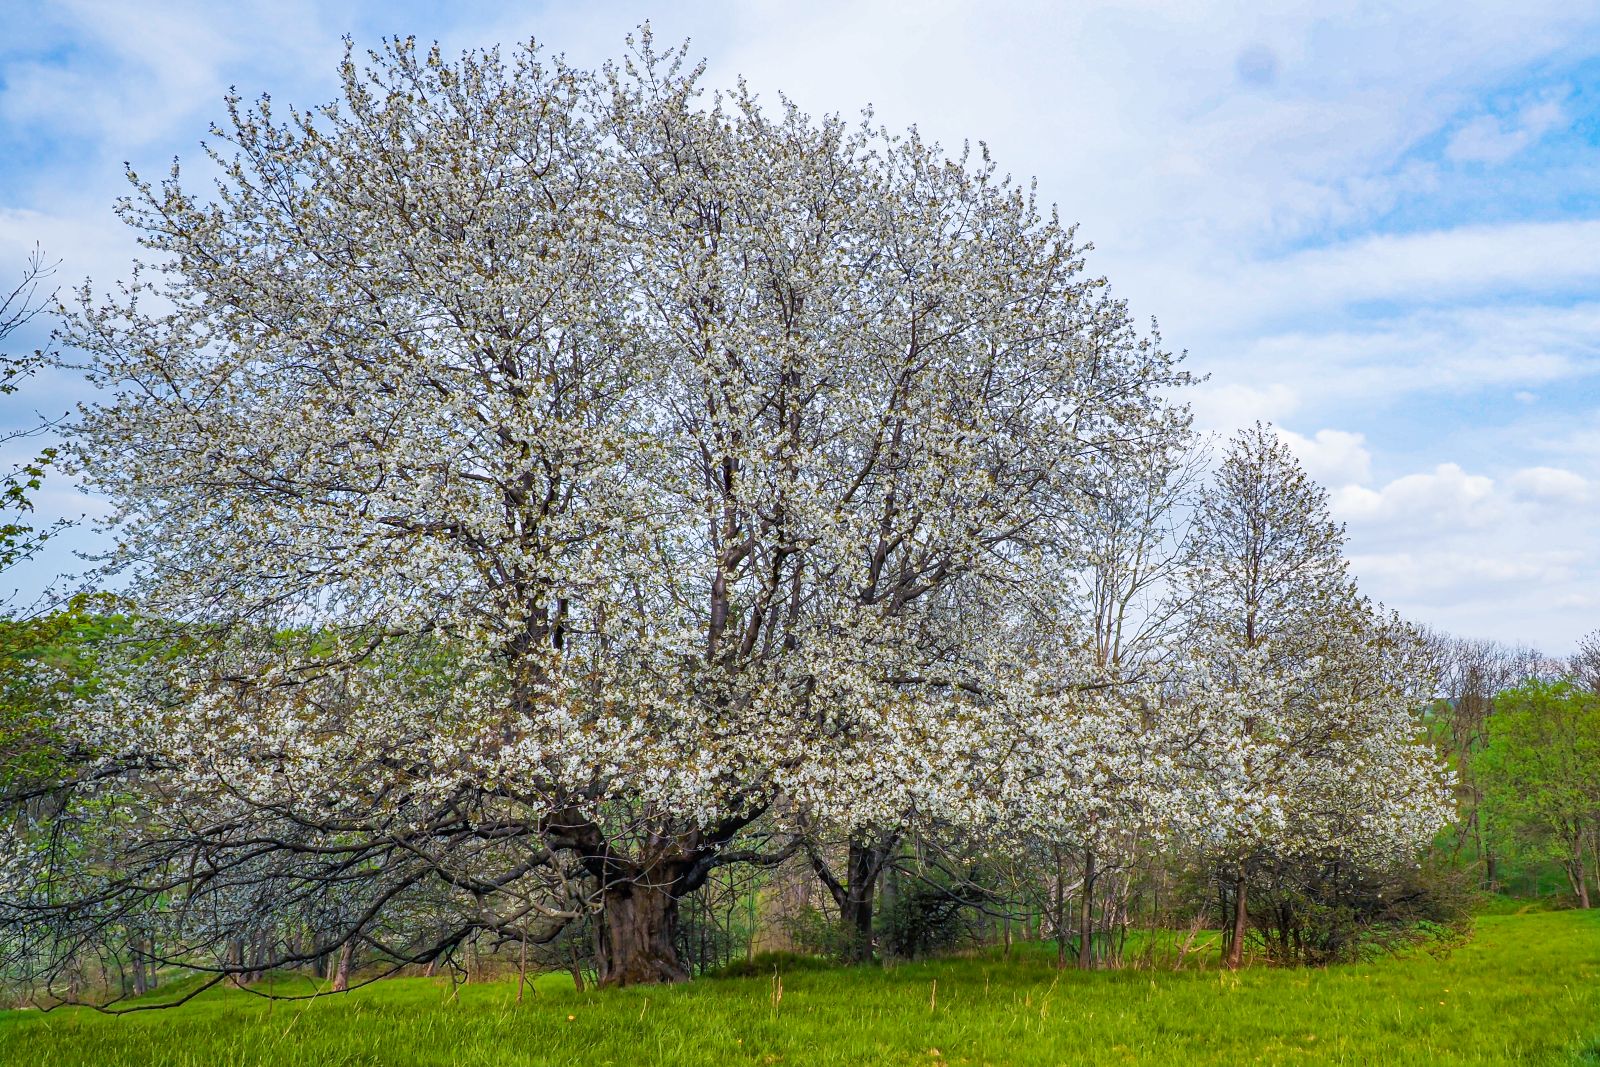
x=1379, y=230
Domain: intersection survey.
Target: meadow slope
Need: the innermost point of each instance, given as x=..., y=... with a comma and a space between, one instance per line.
x=1525, y=990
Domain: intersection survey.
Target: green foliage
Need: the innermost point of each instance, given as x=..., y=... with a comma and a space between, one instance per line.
x=718, y=923
x=45, y=662
x=1541, y=773
x=815, y=932
x=1321, y=913
x=19, y=540
x=928, y=915
x=1526, y=990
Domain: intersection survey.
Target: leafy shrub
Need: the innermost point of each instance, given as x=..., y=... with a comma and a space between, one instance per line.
x=1327, y=912
x=815, y=932
x=924, y=921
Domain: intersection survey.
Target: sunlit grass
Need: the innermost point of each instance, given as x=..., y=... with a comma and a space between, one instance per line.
x=1526, y=990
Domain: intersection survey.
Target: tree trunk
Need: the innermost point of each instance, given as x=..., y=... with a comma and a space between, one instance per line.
x=136, y=961
x=1594, y=854
x=1241, y=916
x=861, y=883
x=1576, y=874
x=341, y=969
x=888, y=895
x=1086, y=914
x=638, y=931
x=1059, y=911
x=854, y=895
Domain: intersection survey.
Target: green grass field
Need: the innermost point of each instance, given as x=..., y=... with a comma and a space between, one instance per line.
x=1525, y=990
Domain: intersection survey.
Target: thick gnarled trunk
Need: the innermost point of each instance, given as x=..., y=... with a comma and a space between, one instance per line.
x=636, y=927
x=636, y=939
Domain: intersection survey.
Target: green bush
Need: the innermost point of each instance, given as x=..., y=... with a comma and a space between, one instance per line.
x=1321, y=913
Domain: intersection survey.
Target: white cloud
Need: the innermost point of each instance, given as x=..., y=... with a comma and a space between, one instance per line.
x=1511, y=557
x=1332, y=457
x=1499, y=350
x=1429, y=268
x=149, y=68
x=89, y=243
x=1489, y=139
x=1447, y=494
x=1440, y=575
x=1551, y=484
x=1508, y=591
x=1224, y=408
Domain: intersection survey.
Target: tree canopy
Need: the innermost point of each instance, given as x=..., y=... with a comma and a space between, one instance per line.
x=555, y=485
x=1541, y=775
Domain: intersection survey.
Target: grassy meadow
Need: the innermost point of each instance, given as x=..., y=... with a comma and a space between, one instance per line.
x=1524, y=990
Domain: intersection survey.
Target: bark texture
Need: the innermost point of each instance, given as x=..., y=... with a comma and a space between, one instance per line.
x=1241, y=922
x=637, y=936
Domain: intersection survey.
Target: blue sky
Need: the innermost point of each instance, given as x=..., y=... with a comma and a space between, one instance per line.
x=1376, y=225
